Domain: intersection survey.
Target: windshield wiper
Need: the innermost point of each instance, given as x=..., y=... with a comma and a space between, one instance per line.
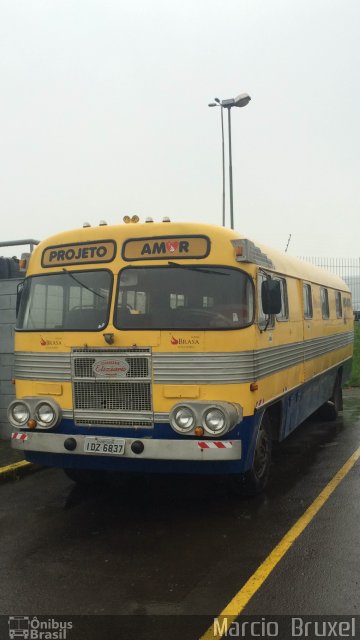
x=82, y=284
x=200, y=269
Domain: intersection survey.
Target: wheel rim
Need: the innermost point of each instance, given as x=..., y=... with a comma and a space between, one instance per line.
x=262, y=450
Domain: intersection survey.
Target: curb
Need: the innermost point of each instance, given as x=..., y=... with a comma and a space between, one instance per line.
x=17, y=470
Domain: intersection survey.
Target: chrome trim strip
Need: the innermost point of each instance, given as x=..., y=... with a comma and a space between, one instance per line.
x=42, y=366
x=162, y=417
x=195, y=368
x=202, y=368
x=274, y=359
x=243, y=366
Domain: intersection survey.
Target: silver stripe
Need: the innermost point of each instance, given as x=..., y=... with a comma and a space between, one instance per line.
x=196, y=368
x=202, y=368
x=271, y=360
x=243, y=366
x=42, y=366
x=161, y=417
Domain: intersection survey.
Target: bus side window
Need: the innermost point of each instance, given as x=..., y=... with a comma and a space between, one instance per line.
x=324, y=297
x=338, y=304
x=308, y=305
x=284, y=313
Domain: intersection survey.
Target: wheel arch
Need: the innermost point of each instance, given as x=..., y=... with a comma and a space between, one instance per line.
x=274, y=413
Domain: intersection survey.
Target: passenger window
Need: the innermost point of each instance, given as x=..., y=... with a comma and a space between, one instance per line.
x=308, y=306
x=284, y=313
x=177, y=300
x=207, y=302
x=324, y=297
x=338, y=304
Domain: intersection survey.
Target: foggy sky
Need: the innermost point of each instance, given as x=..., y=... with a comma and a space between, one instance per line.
x=103, y=113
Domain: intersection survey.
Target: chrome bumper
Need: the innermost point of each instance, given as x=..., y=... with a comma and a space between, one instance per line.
x=206, y=450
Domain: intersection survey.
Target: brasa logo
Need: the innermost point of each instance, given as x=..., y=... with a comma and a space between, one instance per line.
x=50, y=343
x=110, y=368
x=185, y=342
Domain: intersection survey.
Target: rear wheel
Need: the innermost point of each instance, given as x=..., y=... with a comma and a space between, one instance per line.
x=330, y=410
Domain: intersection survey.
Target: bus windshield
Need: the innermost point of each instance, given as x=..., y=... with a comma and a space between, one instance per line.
x=71, y=300
x=182, y=296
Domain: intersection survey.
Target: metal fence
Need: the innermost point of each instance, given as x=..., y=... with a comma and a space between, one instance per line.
x=347, y=268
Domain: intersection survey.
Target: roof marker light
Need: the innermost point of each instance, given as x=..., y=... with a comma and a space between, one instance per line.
x=24, y=261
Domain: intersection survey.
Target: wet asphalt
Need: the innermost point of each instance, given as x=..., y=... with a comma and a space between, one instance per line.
x=184, y=546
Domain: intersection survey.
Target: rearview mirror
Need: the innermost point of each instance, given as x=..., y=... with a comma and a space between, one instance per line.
x=271, y=296
x=19, y=291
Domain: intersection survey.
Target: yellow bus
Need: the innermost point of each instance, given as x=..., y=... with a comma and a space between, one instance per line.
x=173, y=348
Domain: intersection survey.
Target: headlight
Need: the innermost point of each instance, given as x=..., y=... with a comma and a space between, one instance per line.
x=214, y=421
x=183, y=419
x=216, y=418
x=18, y=414
x=45, y=414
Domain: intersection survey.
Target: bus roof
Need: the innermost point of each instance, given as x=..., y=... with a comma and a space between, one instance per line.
x=221, y=249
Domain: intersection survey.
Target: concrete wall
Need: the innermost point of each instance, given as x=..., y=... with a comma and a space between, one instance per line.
x=7, y=322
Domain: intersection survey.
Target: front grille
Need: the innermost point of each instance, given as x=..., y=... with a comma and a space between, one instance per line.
x=110, y=401
x=112, y=396
x=114, y=423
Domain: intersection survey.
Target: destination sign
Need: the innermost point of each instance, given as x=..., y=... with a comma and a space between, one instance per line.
x=179, y=247
x=79, y=253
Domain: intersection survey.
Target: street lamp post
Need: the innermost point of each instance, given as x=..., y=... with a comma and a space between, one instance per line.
x=217, y=103
x=240, y=101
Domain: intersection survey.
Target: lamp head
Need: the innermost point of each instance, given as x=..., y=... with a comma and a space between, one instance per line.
x=242, y=100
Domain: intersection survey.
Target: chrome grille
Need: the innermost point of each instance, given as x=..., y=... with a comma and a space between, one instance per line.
x=116, y=423
x=112, y=396
x=106, y=401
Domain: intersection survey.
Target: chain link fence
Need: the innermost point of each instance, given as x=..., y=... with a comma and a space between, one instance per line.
x=347, y=268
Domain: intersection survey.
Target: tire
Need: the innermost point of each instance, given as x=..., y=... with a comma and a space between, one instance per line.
x=330, y=410
x=255, y=480
x=85, y=476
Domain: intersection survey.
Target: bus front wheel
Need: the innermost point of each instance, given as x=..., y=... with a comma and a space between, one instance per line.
x=254, y=481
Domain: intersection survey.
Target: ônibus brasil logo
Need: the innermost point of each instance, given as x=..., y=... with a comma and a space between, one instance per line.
x=31, y=628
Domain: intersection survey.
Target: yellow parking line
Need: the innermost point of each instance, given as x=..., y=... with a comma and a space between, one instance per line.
x=240, y=600
x=13, y=467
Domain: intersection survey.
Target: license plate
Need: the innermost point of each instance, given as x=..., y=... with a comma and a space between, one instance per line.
x=104, y=446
